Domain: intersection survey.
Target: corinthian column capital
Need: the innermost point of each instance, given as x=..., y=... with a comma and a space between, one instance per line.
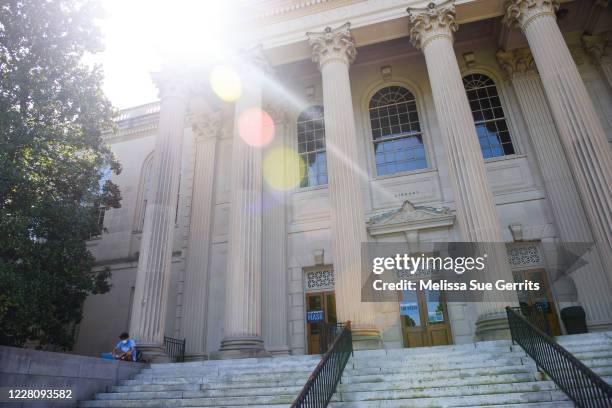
x=599, y=47
x=516, y=62
x=172, y=83
x=520, y=13
x=278, y=111
x=432, y=22
x=206, y=126
x=333, y=44
x=256, y=58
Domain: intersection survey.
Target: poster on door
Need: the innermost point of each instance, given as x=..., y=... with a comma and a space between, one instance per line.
x=411, y=311
x=314, y=316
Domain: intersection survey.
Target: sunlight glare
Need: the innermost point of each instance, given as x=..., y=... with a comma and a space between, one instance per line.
x=283, y=168
x=226, y=83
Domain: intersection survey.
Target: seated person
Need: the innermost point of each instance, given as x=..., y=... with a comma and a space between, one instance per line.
x=125, y=349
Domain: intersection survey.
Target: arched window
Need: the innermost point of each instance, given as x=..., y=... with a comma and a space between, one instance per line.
x=489, y=117
x=396, y=131
x=144, y=192
x=311, y=147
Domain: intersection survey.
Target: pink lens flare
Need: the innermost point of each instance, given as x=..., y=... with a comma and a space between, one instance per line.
x=256, y=127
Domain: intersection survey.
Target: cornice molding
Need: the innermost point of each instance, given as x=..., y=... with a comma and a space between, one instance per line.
x=432, y=22
x=333, y=44
x=520, y=13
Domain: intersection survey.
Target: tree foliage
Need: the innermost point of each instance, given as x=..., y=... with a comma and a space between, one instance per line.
x=53, y=168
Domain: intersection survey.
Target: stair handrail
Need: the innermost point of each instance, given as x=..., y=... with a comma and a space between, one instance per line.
x=175, y=348
x=322, y=383
x=584, y=387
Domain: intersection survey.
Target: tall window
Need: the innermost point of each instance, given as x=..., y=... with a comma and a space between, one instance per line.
x=311, y=147
x=396, y=131
x=489, y=116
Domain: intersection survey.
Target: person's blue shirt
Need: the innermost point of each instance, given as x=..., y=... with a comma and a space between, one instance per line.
x=127, y=345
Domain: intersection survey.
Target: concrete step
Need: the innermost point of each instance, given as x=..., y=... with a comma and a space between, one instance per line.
x=349, y=377
x=202, y=393
x=437, y=392
x=191, y=402
x=410, y=368
x=421, y=383
x=241, y=361
x=535, y=398
x=555, y=404
x=484, y=374
x=203, y=384
x=231, y=377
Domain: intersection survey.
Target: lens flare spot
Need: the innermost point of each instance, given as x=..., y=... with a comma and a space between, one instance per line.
x=226, y=83
x=256, y=127
x=283, y=168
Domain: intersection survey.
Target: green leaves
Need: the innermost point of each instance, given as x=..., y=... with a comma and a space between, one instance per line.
x=53, y=168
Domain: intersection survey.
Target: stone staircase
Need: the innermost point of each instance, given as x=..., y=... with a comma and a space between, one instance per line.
x=471, y=375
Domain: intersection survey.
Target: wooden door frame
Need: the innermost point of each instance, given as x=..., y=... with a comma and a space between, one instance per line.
x=549, y=292
x=324, y=306
x=423, y=314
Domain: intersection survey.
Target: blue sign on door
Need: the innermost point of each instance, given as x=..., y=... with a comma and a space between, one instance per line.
x=314, y=316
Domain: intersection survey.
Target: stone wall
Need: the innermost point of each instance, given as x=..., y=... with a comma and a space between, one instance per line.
x=85, y=376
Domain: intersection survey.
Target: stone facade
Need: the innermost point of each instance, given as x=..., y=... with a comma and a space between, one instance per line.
x=205, y=248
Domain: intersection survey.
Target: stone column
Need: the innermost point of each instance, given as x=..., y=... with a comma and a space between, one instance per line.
x=148, y=318
x=242, y=328
x=334, y=50
x=432, y=30
x=582, y=134
x=599, y=47
x=207, y=130
x=591, y=280
x=275, y=323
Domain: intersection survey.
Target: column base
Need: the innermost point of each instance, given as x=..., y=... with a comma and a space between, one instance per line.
x=366, y=338
x=492, y=326
x=240, y=347
x=153, y=353
x=278, y=351
x=196, y=357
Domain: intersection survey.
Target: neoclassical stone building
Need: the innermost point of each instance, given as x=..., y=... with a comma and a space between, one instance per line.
x=359, y=121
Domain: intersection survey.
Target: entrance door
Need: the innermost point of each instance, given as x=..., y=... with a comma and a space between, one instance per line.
x=424, y=319
x=320, y=307
x=541, y=298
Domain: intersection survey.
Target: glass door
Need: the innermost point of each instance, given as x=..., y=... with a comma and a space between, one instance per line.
x=320, y=307
x=424, y=319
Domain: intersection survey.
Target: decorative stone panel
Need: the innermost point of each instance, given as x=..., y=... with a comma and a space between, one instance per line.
x=319, y=279
x=522, y=256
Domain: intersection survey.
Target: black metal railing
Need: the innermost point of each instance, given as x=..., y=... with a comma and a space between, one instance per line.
x=175, y=348
x=579, y=382
x=327, y=334
x=536, y=316
x=321, y=384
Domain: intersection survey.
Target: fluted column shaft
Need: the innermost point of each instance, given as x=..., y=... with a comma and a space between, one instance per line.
x=242, y=329
x=591, y=280
x=147, y=324
x=206, y=129
x=334, y=50
x=581, y=132
x=275, y=290
x=432, y=30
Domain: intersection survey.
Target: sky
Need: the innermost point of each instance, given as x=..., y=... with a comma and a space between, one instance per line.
x=140, y=34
